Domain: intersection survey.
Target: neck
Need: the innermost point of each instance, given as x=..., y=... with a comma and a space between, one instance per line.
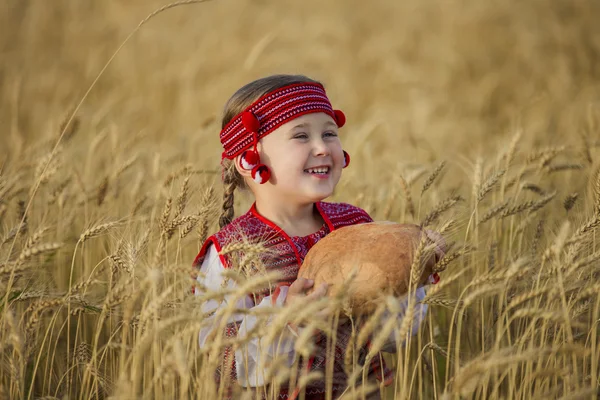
x=294, y=219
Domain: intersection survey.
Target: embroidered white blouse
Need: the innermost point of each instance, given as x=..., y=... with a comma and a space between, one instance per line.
x=249, y=365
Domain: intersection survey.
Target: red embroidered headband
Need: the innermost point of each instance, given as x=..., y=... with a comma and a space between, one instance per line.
x=273, y=110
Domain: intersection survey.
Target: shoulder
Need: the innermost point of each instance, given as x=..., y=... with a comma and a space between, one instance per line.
x=244, y=228
x=345, y=213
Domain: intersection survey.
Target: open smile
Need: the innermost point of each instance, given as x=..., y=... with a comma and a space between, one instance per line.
x=318, y=172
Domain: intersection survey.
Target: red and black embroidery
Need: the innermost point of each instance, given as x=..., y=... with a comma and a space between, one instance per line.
x=286, y=254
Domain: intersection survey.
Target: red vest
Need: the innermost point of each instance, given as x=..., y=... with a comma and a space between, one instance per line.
x=286, y=254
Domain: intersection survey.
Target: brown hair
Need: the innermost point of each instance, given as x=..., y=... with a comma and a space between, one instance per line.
x=240, y=100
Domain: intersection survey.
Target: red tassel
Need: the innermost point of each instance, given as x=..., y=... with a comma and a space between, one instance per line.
x=340, y=118
x=250, y=121
x=261, y=174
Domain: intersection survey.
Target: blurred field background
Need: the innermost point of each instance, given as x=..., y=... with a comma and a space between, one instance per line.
x=94, y=269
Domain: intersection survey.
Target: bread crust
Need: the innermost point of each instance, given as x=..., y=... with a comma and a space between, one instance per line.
x=381, y=252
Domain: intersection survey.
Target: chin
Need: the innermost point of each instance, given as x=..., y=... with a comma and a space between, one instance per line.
x=315, y=197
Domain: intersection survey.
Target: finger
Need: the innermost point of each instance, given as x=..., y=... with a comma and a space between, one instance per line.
x=308, y=283
x=300, y=285
x=321, y=291
x=317, y=294
x=303, y=282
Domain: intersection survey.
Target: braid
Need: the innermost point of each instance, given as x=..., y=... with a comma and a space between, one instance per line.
x=230, y=182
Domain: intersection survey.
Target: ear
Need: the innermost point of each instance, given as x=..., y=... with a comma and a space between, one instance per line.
x=243, y=172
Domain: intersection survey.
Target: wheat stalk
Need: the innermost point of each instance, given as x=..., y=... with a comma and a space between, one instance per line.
x=489, y=184
x=443, y=263
x=570, y=201
x=38, y=250
x=431, y=178
x=96, y=231
x=597, y=190
x=407, y=196
x=564, y=167
x=164, y=219
x=182, y=197
x=533, y=187
x=492, y=212
x=440, y=208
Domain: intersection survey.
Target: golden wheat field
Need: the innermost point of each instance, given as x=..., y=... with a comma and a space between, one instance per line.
x=480, y=119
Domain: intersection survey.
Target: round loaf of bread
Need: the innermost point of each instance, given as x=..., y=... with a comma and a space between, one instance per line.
x=380, y=254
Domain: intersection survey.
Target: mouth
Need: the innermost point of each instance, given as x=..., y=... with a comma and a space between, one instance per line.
x=318, y=171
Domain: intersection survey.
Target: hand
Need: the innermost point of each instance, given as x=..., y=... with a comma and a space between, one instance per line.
x=298, y=291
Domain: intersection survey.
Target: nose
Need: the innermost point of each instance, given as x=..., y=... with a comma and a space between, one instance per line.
x=320, y=148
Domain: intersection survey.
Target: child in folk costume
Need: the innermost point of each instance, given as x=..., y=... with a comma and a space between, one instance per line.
x=280, y=140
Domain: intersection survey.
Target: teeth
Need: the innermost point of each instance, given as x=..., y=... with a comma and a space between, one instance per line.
x=320, y=170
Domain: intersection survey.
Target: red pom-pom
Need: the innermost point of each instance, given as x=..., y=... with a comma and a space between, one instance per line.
x=249, y=159
x=340, y=118
x=250, y=121
x=261, y=174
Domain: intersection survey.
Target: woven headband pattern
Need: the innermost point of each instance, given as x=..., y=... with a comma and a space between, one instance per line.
x=273, y=110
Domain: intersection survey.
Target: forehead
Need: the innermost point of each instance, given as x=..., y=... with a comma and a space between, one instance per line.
x=312, y=119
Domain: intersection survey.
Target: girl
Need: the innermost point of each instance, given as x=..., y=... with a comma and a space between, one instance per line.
x=280, y=141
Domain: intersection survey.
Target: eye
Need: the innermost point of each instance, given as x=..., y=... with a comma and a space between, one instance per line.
x=330, y=134
x=300, y=135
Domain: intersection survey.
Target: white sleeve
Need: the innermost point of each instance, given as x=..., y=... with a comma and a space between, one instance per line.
x=250, y=362
x=418, y=318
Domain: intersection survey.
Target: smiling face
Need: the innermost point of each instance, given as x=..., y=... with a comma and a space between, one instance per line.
x=305, y=158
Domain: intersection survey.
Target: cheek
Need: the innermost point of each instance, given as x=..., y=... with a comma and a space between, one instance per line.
x=281, y=156
x=337, y=152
